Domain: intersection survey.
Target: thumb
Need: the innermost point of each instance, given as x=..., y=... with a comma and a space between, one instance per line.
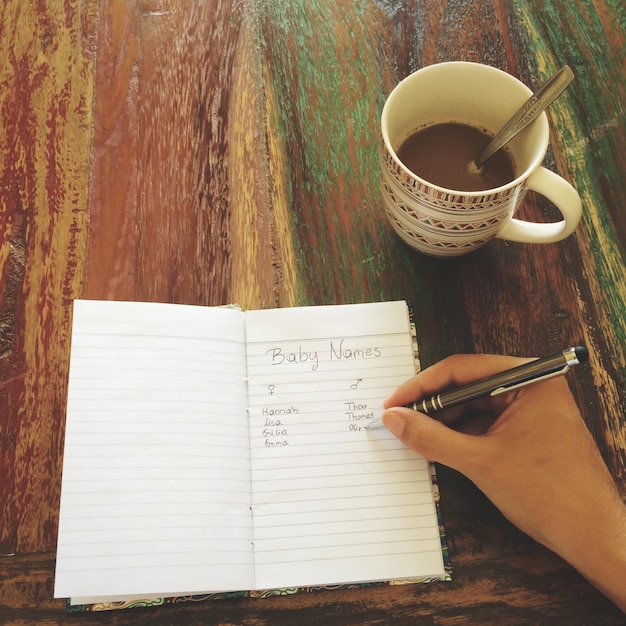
x=430, y=438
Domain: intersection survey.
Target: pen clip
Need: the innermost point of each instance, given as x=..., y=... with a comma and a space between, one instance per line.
x=506, y=389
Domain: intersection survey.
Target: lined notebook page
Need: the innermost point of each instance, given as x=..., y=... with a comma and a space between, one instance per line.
x=333, y=502
x=155, y=494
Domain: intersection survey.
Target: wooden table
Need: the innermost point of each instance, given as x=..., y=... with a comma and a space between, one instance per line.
x=221, y=151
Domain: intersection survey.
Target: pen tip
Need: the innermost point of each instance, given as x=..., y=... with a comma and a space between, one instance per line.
x=377, y=422
x=582, y=354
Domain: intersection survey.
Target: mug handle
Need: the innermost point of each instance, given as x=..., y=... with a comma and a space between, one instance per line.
x=562, y=195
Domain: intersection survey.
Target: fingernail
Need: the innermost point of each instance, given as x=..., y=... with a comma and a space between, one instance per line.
x=394, y=422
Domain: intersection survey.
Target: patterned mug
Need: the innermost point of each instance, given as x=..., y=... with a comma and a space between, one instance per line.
x=447, y=222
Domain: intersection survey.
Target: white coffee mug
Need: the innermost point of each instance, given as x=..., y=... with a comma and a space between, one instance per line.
x=448, y=222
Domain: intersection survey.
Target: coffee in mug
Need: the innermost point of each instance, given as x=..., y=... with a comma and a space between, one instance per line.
x=444, y=154
x=442, y=218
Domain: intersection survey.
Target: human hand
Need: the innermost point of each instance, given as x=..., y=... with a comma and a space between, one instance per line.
x=530, y=452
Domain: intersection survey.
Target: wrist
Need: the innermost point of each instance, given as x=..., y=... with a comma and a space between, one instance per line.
x=599, y=551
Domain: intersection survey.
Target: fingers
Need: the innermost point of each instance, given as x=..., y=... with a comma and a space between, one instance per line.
x=453, y=371
x=431, y=438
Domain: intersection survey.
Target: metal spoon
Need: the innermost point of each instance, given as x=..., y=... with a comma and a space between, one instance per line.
x=532, y=108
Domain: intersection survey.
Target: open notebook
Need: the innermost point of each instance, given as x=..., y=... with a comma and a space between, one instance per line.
x=212, y=450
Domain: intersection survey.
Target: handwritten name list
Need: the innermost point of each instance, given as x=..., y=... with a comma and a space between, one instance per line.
x=208, y=449
x=330, y=498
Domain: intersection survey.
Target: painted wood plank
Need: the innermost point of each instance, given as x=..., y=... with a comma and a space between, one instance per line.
x=46, y=121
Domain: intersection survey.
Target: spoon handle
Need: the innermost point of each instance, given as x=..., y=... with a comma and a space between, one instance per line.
x=532, y=108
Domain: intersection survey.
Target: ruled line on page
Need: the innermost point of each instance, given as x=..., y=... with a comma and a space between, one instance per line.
x=141, y=377
x=319, y=477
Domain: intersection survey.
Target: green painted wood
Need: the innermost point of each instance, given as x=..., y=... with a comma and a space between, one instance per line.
x=588, y=123
x=235, y=158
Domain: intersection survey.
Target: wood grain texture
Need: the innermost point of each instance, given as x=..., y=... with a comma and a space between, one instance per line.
x=163, y=235
x=234, y=158
x=46, y=96
x=589, y=124
x=495, y=591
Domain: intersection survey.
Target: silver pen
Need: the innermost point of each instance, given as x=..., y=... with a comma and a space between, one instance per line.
x=527, y=374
